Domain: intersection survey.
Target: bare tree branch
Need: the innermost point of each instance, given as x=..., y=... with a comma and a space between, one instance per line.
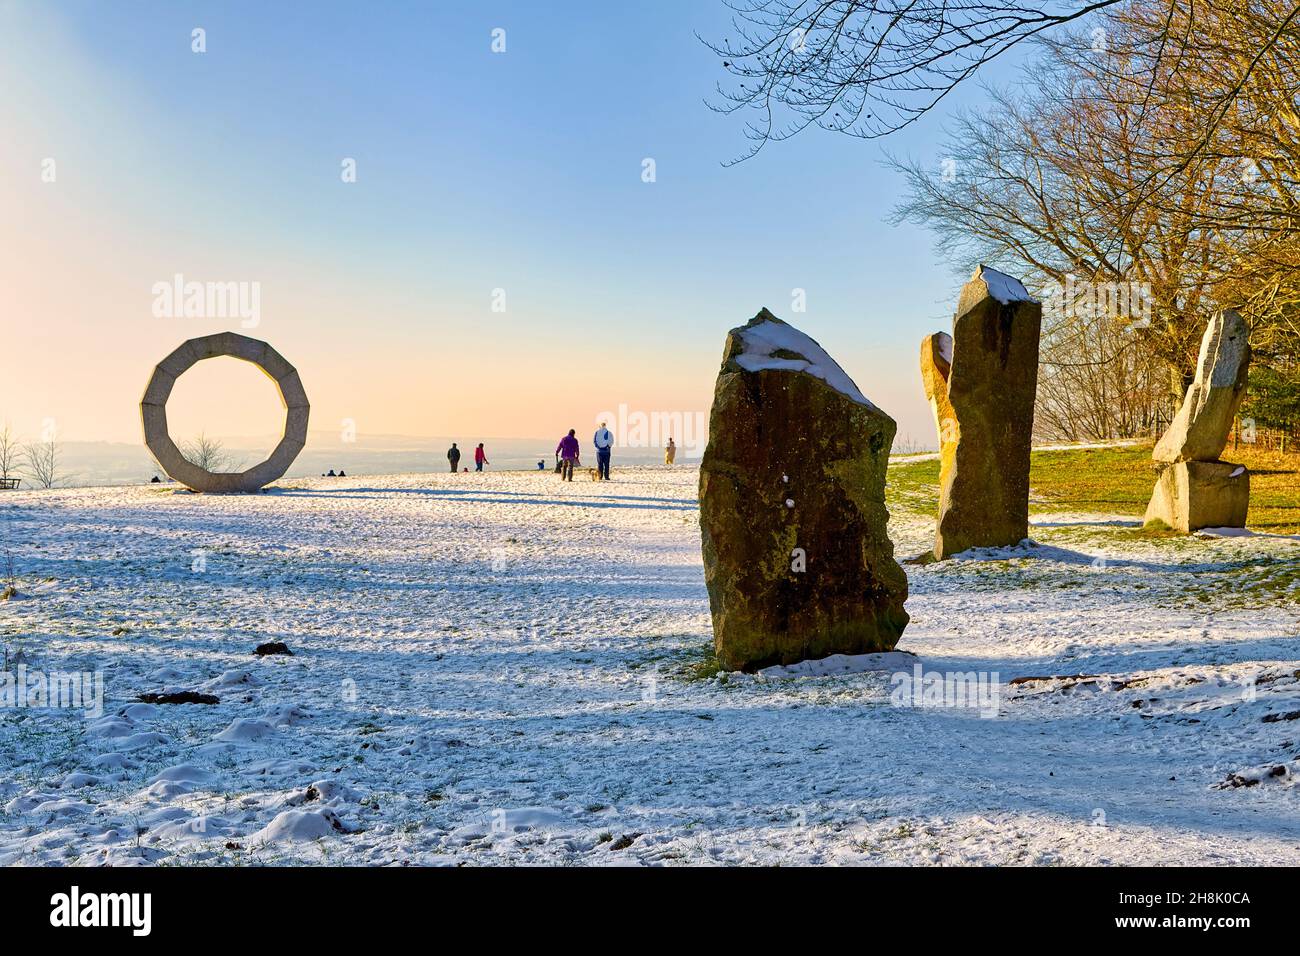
x=866, y=68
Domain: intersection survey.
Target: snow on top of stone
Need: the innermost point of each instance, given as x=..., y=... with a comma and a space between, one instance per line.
x=764, y=339
x=1003, y=287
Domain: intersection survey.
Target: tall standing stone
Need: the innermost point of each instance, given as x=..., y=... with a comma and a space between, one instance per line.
x=984, y=492
x=797, y=560
x=1194, y=489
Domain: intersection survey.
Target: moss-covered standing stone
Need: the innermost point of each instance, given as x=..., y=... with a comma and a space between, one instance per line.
x=797, y=560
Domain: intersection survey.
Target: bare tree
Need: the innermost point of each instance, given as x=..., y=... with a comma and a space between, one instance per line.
x=11, y=453
x=1097, y=381
x=1035, y=184
x=43, y=464
x=7, y=569
x=1230, y=100
x=1153, y=147
x=1069, y=177
x=868, y=68
x=209, y=454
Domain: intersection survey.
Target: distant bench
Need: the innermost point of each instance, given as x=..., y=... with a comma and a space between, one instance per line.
x=9, y=484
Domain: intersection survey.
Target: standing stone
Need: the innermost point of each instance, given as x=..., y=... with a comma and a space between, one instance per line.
x=1200, y=494
x=1194, y=489
x=1199, y=432
x=936, y=363
x=984, y=490
x=797, y=560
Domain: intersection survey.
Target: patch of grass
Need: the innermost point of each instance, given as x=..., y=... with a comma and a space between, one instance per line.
x=1026, y=573
x=1155, y=530
x=706, y=667
x=913, y=486
x=1248, y=585
x=1274, y=489
x=1081, y=479
x=904, y=831
x=1115, y=480
x=1112, y=480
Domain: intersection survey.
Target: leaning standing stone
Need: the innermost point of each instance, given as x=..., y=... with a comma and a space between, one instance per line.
x=984, y=493
x=936, y=363
x=1193, y=488
x=797, y=560
x=1199, y=432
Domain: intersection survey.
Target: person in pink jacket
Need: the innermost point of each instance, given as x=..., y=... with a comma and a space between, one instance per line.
x=567, y=450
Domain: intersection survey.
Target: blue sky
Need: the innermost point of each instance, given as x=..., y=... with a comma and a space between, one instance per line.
x=475, y=171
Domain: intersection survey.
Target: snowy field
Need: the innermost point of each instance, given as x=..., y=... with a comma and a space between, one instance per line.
x=502, y=668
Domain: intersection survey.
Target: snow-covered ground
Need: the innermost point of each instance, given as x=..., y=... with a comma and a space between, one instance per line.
x=504, y=668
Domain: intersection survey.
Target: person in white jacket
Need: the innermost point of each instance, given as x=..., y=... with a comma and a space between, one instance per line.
x=604, y=440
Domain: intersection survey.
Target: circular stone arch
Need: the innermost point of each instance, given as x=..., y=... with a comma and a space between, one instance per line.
x=153, y=413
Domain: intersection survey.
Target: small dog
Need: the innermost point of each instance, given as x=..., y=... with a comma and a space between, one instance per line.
x=595, y=475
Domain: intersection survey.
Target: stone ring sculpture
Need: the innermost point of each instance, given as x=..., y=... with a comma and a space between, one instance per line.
x=153, y=413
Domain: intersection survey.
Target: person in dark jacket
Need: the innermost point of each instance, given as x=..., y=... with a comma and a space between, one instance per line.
x=604, y=442
x=453, y=456
x=567, y=449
